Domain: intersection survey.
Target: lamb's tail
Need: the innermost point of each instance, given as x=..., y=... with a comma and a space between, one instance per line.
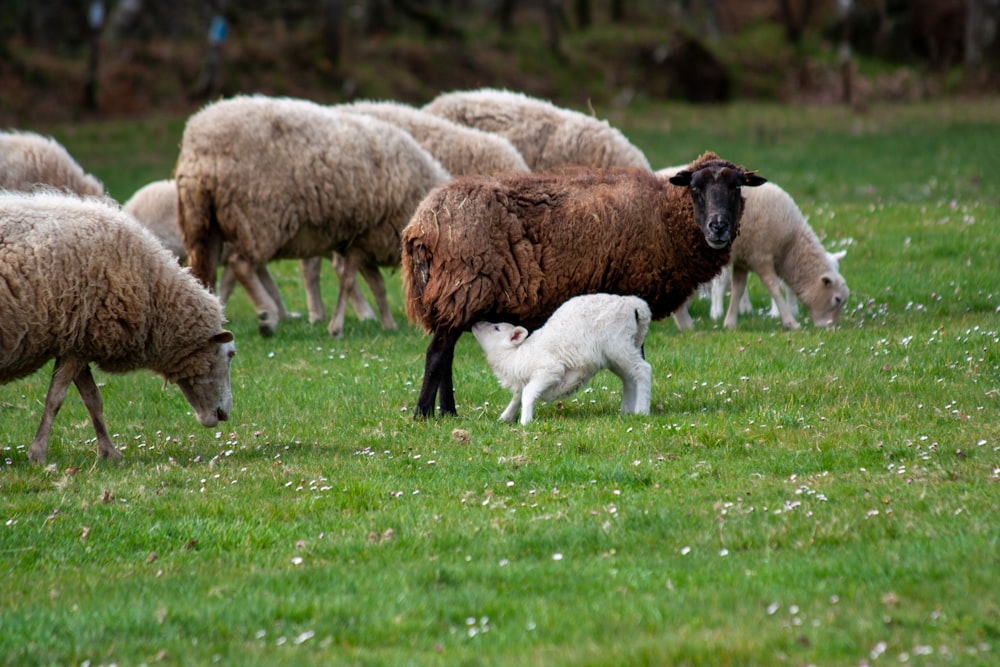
x=643, y=316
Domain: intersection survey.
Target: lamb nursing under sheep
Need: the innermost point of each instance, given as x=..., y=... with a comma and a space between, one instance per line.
x=82, y=283
x=777, y=244
x=549, y=137
x=28, y=160
x=585, y=335
x=513, y=248
x=283, y=178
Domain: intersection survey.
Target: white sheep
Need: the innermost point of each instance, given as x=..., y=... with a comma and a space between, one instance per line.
x=154, y=205
x=29, y=160
x=717, y=292
x=547, y=136
x=585, y=335
x=285, y=178
x=777, y=243
x=82, y=283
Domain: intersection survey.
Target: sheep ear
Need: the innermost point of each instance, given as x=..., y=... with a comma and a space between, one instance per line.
x=518, y=335
x=839, y=255
x=681, y=178
x=223, y=337
x=751, y=179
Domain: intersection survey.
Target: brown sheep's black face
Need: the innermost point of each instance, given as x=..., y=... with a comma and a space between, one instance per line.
x=718, y=203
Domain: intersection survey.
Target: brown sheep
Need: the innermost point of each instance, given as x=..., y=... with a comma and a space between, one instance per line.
x=513, y=248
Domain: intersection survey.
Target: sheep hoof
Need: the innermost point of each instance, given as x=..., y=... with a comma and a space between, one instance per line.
x=264, y=325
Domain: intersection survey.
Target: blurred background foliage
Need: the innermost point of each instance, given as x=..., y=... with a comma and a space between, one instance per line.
x=71, y=59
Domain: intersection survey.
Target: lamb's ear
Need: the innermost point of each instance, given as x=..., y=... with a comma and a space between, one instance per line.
x=518, y=335
x=681, y=178
x=223, y=337
x=839, y=255
x=751, y=179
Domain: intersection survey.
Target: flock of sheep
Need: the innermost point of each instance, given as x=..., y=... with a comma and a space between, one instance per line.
x=542, y=230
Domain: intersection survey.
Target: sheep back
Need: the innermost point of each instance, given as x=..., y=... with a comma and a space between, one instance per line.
x=28, y=160
x=462, y=150
x=81, y=278
x=547, y=136
x=288, y=178
x=154, y=205
x=513, y=248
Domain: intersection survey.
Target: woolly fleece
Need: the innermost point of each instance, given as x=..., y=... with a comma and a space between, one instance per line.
x=28, y=160
x=548, y=137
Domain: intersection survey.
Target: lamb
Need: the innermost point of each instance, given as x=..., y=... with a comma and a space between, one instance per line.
x=513, y=248
x=285, y=178
x=461, y=151
x=28, y=160
x=154, y=205
x=549, y=137
x=586, y=334
x=82, y=283
x=717, y=289
x=776, y=242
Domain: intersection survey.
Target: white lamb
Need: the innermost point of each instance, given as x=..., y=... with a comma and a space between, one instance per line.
x=777, y=244
x=583, y=336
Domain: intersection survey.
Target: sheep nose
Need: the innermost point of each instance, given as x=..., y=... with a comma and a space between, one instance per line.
x=718, y=223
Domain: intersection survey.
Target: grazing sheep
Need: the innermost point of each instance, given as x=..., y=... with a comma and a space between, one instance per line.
x=776, y=242
x=547, y=136
x=28, y=160
x=585, y=335
x=82, y=283
x=720, y=282
x=154, y=205
x=284, y=178
x=513, y=248
x=461, y=150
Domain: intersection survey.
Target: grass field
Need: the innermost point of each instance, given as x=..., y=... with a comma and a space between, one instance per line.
x=815, y=497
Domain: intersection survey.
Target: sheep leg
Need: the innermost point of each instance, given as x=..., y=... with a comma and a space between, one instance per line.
x=790, y=299
x=65, y=371
x=362, y=308
x=718, y=291
x=637, y=378
x=267, y=282
x=773, y=285
x=374, y=279
x=532, y=391
x=438, y=374
x=226, y=284
x=739, y=286
x=266, y=308
x=682, y=318
x=314, y=299
x=348, y=281
x=510, y=412
x=91, y=396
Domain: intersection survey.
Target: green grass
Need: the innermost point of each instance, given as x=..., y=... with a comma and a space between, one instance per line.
x=820, y=497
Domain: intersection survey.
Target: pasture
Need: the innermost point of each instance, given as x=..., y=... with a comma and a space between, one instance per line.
x=821, y=496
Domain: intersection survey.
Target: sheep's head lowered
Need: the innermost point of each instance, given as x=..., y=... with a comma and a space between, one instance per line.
x=715, y=185
x=207, y=386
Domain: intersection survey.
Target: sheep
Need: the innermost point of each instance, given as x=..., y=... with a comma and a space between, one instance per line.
x=285, y=178
x=513, y=248
x=718, y=285
x=28, y=160
x=461, y=151
x=586, y=334
x=776, y=242
x=82, y=283
x=154, y=205
x=549, y=137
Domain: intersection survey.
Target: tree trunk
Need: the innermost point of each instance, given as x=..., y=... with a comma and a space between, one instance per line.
x=975, y=33
x=330, y=31
x=583, y=14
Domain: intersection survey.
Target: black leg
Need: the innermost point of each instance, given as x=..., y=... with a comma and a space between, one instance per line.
x=437, y=374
